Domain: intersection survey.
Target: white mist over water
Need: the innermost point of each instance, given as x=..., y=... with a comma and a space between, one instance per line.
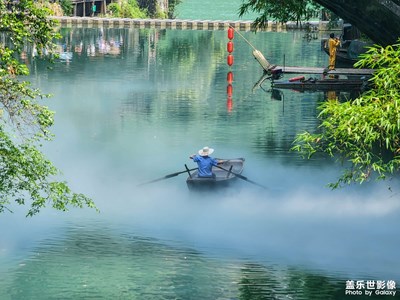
x=303, y=224
x=297, y=220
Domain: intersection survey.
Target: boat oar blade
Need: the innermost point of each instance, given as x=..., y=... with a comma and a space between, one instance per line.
x=166, y=177
x=155, y=180
x=243, y=177
x=171, y=175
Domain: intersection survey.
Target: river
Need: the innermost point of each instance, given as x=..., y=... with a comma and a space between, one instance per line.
x=131, y=106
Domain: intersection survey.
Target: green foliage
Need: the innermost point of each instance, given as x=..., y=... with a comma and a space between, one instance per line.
x=281, y=11
x=25, y=174
x=22, y=22
x=172, y=4
x=366, y=131
x=127, y=9
x=67, y=7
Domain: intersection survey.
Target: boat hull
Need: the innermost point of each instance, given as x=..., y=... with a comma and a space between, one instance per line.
x=321, y=85
x=222, y=179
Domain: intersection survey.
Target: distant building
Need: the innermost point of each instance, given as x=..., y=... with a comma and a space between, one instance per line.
x=87, y=8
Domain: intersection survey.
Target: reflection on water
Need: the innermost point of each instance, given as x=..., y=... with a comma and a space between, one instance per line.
x=174, y=79
x=94, y=263
x=98, y=262
x=131, y=106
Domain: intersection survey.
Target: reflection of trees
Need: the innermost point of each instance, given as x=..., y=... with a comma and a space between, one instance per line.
x=301, y=285
x=178, y=78
x=194, y=58
x=182, y=74
x=99, y=263
x=92, y=263
x=260, y=283
x=257, y=283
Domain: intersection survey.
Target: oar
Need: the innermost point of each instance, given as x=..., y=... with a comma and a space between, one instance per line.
x=242, y=177
x=167, y=176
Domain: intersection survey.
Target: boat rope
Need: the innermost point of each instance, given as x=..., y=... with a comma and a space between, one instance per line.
x=238, y=32
x=266, y=65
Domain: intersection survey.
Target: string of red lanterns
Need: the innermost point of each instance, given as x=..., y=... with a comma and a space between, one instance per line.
x=229, y=76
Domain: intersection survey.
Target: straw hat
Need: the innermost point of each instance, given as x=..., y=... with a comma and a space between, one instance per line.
x=206, y=151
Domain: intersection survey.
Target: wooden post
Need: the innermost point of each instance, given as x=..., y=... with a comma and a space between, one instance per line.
x=263, y=62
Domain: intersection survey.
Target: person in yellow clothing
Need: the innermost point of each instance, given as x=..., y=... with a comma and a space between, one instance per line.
x=333, y=43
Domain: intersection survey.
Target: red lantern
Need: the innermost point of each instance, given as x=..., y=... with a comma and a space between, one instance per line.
x=229, y=46
x=230, y=59
x=229, y=104
x=229, y=90
x=229, y=77
x=231, y=33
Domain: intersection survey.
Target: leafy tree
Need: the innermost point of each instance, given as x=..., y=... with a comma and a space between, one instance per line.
x=172, y=4
x=366, y=131
x=127, y=9
x=67, y=7
x=281, y=11
x=25, y=174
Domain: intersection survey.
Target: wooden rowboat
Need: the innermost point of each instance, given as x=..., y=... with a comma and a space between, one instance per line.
x=223, y=178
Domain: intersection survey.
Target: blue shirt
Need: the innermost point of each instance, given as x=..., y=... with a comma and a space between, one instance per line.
x=205, y=164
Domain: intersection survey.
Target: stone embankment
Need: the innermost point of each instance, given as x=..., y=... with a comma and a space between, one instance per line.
x=93, y=22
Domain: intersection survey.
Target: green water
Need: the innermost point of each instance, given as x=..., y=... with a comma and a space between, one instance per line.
x=211, y=10
x=131, y=106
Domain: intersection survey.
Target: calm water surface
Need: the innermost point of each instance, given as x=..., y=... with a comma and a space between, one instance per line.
x=131, y=106
x=218, y=10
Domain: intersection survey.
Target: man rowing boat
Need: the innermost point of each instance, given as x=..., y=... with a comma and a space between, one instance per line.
x=205, y=162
